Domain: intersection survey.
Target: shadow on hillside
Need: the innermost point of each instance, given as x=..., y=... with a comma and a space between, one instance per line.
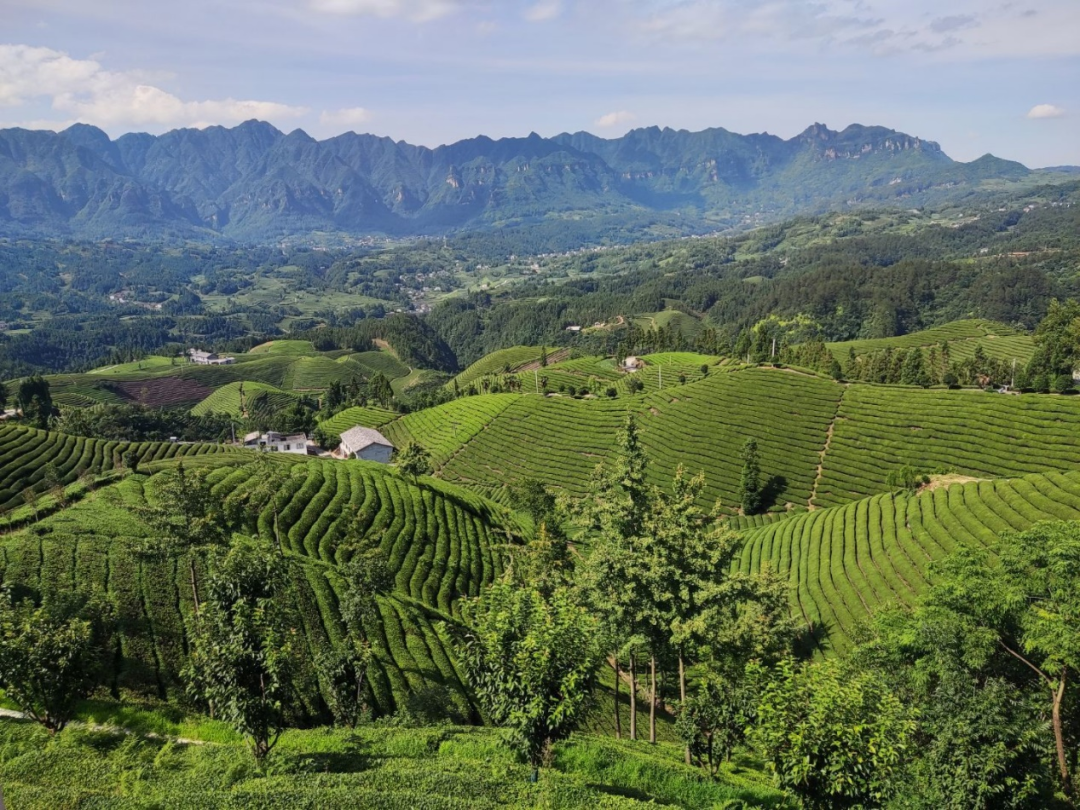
x=812, y=639
x=773, y=489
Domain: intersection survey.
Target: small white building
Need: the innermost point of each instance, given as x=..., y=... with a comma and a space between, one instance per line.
x=633, y=364
x=274, y=442
x=202, y=358
x=367, y=444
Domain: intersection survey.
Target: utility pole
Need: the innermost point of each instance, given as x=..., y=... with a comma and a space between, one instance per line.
x=773, y=355
x=661, y=368
x=1013, y=383
x=536, y=379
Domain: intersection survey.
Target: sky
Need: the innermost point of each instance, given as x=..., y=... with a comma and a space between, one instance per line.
x=976, y=76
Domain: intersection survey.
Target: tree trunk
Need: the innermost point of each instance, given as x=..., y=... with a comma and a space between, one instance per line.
x=618, y=719
x=652, y=699
x=194, y=586
x=633, y=697
x=1059, y=737
x=682, y=698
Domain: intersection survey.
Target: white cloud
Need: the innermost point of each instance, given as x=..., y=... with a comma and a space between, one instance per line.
x=345, y=117
x=972, y=29
x=1045, y=111
x=415, y=10
x=83, y=90
x=613, y=119
x=544, y=11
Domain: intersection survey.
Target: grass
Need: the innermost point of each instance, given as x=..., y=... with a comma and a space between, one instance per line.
x=435, y=768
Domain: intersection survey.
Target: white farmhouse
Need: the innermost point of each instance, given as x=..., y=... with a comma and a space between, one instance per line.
x=202, y=358
x=367, y=444
x=275, y=442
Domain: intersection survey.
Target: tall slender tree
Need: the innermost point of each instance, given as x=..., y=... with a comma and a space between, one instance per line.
x=613, y=579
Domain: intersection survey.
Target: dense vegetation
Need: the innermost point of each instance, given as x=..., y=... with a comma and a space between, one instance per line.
x=795, y=570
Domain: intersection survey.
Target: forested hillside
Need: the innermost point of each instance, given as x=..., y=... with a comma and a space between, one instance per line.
x=256, y=183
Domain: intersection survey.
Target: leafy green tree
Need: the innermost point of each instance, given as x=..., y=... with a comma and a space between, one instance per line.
x=131, y=460
x=913, y=372
x=52, y=656
x=187, y=519
x=750, y=487
x=240, y=660
x=545, y=562
x=906, y=477
x=713, y=720
x=981, y=739
x=414, y=461
x=380, y=391
x=254, y=508
x=532, y=662
x=342, y=671
x=3, y=396
x=34, y=399
x=702, y=608
x=1057, y=341
x=835, y=370
x=833, y=737
x=1028, y=605
x=543, y=357
x=326, y=439
x=613, y=579
x=532, y=497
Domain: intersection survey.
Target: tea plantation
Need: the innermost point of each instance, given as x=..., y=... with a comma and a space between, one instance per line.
x=441, y=543
x=843, y=563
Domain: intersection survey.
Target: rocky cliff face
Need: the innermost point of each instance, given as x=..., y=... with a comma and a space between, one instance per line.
x=254, y=182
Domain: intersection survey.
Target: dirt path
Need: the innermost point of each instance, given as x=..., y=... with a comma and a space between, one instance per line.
x=810, y=505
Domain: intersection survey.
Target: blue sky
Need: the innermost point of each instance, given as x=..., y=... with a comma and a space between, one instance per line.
x=975, y=75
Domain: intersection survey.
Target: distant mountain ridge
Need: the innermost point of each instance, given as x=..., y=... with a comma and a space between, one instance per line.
x=254, y=182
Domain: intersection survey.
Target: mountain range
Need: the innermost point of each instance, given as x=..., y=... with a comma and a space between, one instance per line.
x=255, y=183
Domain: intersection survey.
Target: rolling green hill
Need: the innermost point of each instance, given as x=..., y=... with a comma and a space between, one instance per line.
x=24, y=453
x=442, y=543
x=237, y=398
x=842, y=563
x=497, y=363
x=997, y=340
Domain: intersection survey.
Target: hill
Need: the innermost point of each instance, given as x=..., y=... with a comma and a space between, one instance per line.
x=441, y=543
x=845, y=562
x=253, y=182
x=997, y=340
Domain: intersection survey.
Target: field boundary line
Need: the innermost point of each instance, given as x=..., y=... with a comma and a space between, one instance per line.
x=810, y=502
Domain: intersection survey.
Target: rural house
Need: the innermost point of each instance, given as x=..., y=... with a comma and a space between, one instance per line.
x=274, y=442
x=632, y=364
x=202, y=358
x=367, y=444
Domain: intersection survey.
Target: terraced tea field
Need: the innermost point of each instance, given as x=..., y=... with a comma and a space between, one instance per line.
x=843, y=563
x=701, y=425
x=497, y=363
x=973, y=433
x=257, y=399
x=370, y=416
x=25, y=451
x=997, y=340
x=442, y=544
x=445, y=429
